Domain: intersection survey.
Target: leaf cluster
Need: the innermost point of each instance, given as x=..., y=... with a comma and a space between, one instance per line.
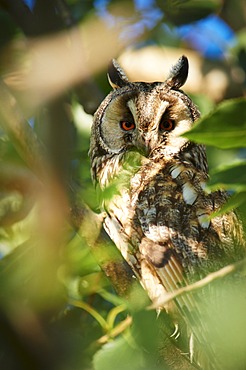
x=225, y=128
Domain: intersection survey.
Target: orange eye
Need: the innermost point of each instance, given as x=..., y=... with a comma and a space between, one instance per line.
x=127, y=126
x=166, y=125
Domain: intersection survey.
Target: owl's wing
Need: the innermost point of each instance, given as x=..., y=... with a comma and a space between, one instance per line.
x=164, y=263
x=168, y=245
x=179, y=248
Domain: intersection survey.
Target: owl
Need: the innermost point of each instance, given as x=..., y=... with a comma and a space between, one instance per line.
x=153, y=186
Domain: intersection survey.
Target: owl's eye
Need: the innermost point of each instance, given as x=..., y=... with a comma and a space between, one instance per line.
x=127, y=126
x=166, y=125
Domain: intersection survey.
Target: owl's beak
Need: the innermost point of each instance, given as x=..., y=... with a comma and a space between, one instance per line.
x=144, y=145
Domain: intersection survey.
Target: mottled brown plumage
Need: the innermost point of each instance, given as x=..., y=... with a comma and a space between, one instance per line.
x=158, y=215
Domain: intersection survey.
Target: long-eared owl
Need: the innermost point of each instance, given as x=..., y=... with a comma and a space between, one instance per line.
x=157, y=212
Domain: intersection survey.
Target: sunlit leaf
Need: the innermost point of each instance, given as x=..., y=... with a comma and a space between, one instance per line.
x=130, y=164
x=204, y=102
x=119, y=355
x=235, y=201
x=231, y=176
x=224, y=128
x=225, y=320
x=136, y=349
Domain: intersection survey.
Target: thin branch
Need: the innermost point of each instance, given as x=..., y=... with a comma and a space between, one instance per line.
x=117, y=330
x=227, y=270
x=85, y=306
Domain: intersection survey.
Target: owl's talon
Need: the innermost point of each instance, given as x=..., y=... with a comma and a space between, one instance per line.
x=176, y=332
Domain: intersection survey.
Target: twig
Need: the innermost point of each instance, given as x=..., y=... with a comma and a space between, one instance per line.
x=227, y=270
x=85, y=306
x=121, y=327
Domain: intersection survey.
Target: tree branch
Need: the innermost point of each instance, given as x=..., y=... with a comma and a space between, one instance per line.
x=227, y=270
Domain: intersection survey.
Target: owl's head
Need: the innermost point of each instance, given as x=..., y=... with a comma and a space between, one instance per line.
x=138, y=116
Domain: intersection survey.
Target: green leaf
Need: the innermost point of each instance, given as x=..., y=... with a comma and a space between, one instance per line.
x=186, y=11
x=130, y=164
x=231, y=177
x=204, y=102
x=136, y=348
x=224, y=128
x=118, y=354
x=235, y=201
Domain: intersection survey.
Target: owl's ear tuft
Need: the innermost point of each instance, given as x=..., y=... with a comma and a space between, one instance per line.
x=178, y=73
x=116, y=76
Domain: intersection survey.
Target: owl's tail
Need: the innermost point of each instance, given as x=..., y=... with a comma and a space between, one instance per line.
x=193, y=313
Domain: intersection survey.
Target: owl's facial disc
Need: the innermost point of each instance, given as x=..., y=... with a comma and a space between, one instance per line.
x=118, y=126
x=144, y=117
x=156, y=119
